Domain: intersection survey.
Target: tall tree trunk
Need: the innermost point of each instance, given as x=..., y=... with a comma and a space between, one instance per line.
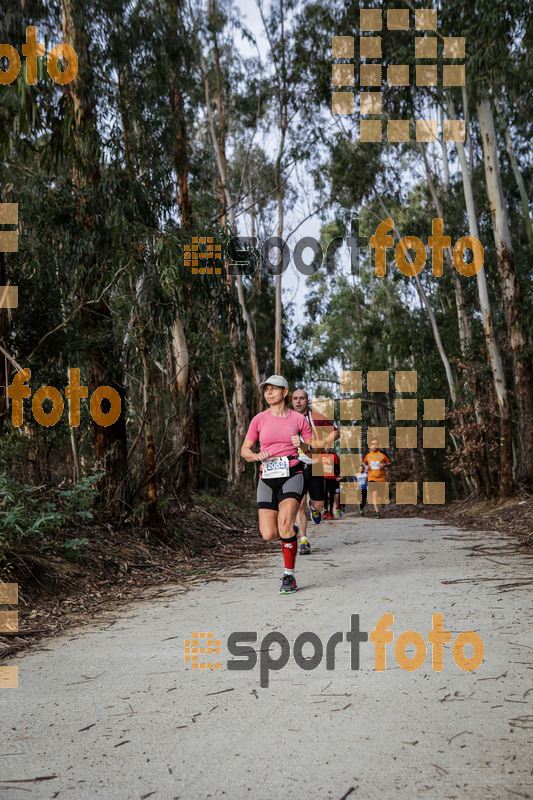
x=179, y=383
x=468, y=132
x=278, y=303
x=193, y=418
x=445, y=161
x=517, y=174
x=4, y=364
x=493, y=352
x=231, y=463
x=239, y=403
x=178, y=109
x=511, y=294
x=427, y=305
x=231, y=209
x=282, y=102
x=104, y=367
x=151, y=494
x=184, y=202
x=239, y=407
x=109, y=441
x=465, y=332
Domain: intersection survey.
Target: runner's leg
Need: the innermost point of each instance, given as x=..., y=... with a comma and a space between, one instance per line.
x=316, y=490
x=330, y=496
x=375, y=501
x=288, y=510
x=268, y=524
x=301, y=518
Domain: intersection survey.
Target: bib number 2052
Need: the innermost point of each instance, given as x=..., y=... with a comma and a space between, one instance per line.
x=276, y=468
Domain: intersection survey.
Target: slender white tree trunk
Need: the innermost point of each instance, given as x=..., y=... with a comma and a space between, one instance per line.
x=510, y=289
x=180, y=364
x=231, y=463
x=493, y=352
x=518, y=175
x=465, y=332
x=433, y=322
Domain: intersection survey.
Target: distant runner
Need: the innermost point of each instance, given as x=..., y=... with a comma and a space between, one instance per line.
x=362, y=485
x=375, y=461
x=331, y=464
x=281, y=433
x=314, y=484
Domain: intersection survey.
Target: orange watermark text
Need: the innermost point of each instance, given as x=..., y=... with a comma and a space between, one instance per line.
x=105, y=402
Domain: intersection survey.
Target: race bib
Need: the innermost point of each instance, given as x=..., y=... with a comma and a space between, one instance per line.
x=375, y=465
x=328, y=464
x=276, y=468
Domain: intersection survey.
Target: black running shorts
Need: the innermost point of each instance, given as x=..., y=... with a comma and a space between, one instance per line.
x=314, y=484
x=272, y=491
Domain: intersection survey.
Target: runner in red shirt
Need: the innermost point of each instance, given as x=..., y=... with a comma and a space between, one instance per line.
x=281, y=432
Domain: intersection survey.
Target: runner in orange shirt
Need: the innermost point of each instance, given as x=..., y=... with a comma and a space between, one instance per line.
x=376, y=461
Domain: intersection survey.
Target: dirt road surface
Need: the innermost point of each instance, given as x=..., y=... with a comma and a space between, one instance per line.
x=112, y=710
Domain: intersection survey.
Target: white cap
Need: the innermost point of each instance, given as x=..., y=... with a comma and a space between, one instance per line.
x=275, y=380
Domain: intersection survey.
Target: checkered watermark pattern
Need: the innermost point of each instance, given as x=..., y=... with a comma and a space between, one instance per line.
x=202, y=644
x=406, y=436
x=371, y=75
x=9, y=623
x=9, y=243
x=193, y=256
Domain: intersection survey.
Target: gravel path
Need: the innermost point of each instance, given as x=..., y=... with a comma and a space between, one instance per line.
x=112, y=710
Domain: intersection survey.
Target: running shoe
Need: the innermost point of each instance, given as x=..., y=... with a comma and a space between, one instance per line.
x=316, y=516
x=361, y=510
x=377, y=516
x=305, y=548
x=288, y=585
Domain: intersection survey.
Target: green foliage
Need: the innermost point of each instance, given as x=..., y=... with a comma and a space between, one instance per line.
x=25, y=517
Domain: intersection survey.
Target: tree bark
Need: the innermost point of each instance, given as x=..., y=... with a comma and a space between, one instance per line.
x=433, y=322
x=493, y=352
x=231, y=467
x=219, y=144
x=517, y=174
x=511, y=294
x=104, y=364
x=109, y=441
x=179, y=384
x=151, y=494
x=4, y=364
x=282, y=101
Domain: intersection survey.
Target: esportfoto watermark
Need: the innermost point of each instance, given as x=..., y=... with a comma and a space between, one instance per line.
x=33, y=50
x=247, y=657
x=245, y=255
x=74, y=392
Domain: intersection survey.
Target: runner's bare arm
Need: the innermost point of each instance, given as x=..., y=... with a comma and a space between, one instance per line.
x=297, y=442
x=332, y=437
x=320, y=422
x=248, y=454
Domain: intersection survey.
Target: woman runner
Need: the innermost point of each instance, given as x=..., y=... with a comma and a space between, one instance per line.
x=281, y=484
